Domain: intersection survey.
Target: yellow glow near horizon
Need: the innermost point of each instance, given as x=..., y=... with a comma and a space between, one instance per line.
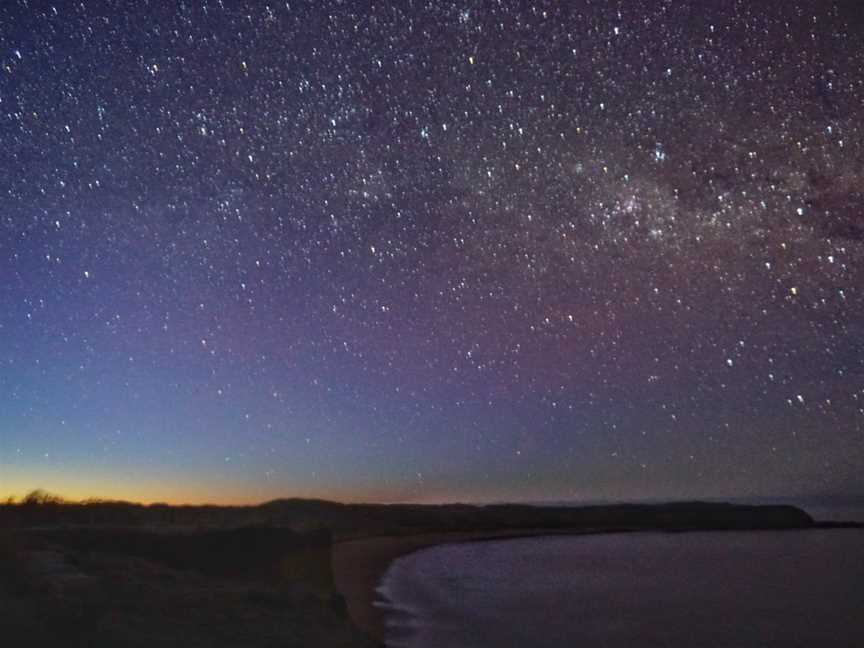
x=80, y=488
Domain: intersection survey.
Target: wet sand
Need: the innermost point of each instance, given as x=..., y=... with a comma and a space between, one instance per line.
x=358, y=566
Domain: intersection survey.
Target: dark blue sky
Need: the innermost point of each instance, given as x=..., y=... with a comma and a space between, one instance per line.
x=431, y=251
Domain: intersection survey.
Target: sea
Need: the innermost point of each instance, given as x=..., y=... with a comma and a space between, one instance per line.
x=721, y=589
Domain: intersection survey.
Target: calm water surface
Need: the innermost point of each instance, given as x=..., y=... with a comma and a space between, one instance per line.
x=721, y=589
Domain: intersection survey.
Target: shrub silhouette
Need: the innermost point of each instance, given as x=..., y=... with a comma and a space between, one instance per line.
x=39, y=497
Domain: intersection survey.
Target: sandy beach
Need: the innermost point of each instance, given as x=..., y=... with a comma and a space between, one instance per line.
x=358, y=566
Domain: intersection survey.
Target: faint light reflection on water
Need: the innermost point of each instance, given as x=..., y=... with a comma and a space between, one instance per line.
x=719, y=589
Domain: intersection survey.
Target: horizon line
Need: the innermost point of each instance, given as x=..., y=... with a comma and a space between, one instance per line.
x=12, y=499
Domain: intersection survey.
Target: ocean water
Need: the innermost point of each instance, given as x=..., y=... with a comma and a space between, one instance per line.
x=640, y=590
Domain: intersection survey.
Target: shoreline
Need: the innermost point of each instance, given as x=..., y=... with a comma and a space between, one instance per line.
x=360, y=564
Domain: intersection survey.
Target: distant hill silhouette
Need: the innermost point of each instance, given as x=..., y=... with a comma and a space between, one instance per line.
x=346, y=520
x=97, y=572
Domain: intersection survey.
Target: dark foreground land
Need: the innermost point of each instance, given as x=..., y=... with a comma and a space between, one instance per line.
x=286, y=573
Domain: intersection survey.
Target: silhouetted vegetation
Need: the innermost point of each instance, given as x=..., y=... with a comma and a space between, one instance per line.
x=102, y=572
x=114, y=573
x=10, y=559
x=357, y=520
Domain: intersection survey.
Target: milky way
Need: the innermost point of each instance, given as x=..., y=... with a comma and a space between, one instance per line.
x=407, y=251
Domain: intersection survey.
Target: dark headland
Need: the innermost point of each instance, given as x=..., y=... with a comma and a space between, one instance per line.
x=288, y=572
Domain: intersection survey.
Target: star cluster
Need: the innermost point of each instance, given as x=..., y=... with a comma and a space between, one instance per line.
x=431, y=251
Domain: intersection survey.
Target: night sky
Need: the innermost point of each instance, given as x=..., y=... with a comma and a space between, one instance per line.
x=431, y=251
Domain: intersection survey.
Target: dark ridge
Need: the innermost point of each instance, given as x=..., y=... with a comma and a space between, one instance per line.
x=352, y=520
x=839, y=525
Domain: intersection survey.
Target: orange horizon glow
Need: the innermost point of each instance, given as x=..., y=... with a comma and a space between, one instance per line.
x=201, y=490
x=150, y=497
x=76, y=497
x=196, y=490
